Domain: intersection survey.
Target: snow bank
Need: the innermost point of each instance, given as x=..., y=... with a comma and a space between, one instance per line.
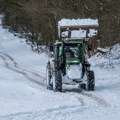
x=109, y=59
x=19, y=65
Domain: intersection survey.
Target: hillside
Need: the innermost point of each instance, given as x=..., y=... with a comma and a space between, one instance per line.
x=40, y=18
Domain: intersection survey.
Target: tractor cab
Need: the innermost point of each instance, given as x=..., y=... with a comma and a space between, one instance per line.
x=70, y=52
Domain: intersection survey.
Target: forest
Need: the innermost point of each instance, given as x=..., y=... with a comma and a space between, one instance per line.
x=36, y=20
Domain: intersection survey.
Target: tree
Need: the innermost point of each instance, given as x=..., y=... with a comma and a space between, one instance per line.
x=38, y=19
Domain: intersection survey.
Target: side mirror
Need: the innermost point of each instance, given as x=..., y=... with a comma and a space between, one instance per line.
x=89, y=47
x=50, y=48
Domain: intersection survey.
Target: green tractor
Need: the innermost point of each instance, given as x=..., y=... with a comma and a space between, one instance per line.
x=68, y=64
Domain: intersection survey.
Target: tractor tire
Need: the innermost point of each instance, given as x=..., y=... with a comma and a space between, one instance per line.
x=48, y=77
x=57, y=81
x=90, y=85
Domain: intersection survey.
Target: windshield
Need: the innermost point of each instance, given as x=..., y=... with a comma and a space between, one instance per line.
x=71, y=51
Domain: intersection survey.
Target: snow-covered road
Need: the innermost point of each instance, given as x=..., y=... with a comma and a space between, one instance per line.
x=23, y=94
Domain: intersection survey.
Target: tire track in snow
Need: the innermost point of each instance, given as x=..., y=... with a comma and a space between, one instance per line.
x=14, y=66
x=80, y=100
x=99, y=100
x=81, y=93
x=75, y=92
x=43, y=114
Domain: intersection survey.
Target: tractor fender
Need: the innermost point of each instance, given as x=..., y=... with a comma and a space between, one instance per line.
x=52, y=65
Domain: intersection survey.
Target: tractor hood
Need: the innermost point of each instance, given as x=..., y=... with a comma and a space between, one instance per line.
x=74, y=71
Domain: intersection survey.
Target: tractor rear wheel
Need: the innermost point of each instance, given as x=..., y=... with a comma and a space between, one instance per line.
x=90, y=85
x=48, y=77
x=57, y=81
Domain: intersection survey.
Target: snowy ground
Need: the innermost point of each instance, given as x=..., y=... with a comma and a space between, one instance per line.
x=23, y=94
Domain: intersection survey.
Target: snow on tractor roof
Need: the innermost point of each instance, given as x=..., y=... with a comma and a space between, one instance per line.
x=78, y=27
x=78, y=22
